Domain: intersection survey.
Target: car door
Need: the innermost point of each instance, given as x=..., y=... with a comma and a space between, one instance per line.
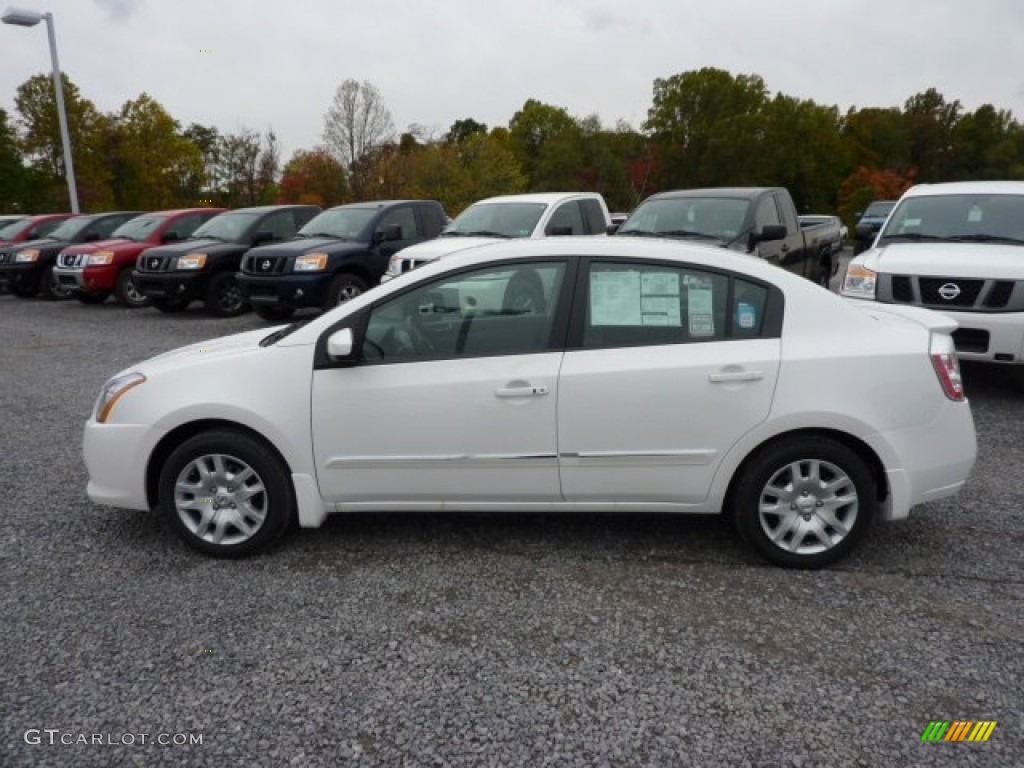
x=452, y=396
x=666, y=368
x=404, y=217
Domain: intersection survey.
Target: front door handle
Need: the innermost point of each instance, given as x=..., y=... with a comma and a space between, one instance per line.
x=524, y=390
x=717, y=378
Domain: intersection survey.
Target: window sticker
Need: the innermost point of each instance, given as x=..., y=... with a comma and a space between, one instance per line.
x=746, y=316
x=699, y=312
x=614, y=298
x=975, y=214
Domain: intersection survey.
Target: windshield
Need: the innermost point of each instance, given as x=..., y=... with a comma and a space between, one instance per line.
x=344, y=223
x=138, y=228
x=497, y=220
x=70, y=228
x=12, y=229
x=227, y=226
x=978, y=217
x=879, y=209
x=718, y=218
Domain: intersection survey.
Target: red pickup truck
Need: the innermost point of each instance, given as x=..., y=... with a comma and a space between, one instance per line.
x=95, y=270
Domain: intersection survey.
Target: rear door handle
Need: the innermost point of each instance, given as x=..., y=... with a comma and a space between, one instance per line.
x=717, y=378
x=521, y=391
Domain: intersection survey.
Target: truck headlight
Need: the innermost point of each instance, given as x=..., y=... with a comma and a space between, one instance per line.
x=860, y=282
x=25, y=257
x=192, y=261
x=113, y=391
x=311, y=262
x=101, y=258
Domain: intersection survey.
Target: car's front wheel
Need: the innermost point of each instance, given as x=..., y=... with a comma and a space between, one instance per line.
x=344, y=287
x=51, y=288
x=805, y=502
x=226, y=493
x=224, y=297
x=127, y=294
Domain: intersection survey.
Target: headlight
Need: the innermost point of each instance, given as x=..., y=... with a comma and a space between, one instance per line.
x=859, y=282
x=394, y=265
x=311, y=262
x=192, y=261
x=24, y=257
x=100, y=258
x=112, y=391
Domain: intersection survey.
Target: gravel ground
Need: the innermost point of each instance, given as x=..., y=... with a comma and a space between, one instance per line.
x=439, y=640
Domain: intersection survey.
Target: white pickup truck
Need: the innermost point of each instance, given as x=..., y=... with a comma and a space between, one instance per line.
x=957, y=248
x=542, y=214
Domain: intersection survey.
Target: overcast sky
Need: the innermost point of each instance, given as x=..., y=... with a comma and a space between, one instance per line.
x=276, y=63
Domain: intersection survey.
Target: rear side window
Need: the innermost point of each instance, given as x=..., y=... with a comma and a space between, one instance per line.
x=630, y=305
x=186, y=225
x=105, y=228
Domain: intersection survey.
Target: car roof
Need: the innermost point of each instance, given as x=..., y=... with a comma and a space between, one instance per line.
x=106, y=214
x=547, y=198
x=731, y=192
x=967, y=188
x=377, y=204
x=269, y=208
x=185, y=211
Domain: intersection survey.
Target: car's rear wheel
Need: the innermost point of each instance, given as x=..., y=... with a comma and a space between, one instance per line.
x=226, y=493
x=224, y=297
x=127, y=294
x=344, y=287
x=170, y=306
x=91, y=298
x=805, y=502
x=50, y=288
x=274, y=314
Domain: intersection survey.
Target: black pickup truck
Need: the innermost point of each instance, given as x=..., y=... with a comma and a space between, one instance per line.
x=205, y=267
x=336, y=256
x=27, y=268
x=758, y=220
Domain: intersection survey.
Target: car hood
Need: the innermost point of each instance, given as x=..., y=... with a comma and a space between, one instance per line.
x=103, y=245
x=444, y=246
x=204, y=245
x=41, y=243
x=307, y=245
x=203, y=351
x=993, y=261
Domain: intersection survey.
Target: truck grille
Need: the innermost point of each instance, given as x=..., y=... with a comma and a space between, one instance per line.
x=969, y=294
x=72, y=260
x=264, y=265
x=155, y=263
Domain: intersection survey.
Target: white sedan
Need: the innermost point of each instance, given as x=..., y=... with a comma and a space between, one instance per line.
x=567, y=374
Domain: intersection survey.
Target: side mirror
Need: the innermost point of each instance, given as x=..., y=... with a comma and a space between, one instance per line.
x=388, y=234
x=613, y=228
x=263, y=236
x=560, y=231
x=768, y=232
x=170, y=237
x=340, y=344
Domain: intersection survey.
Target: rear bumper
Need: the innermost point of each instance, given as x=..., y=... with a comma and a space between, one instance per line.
x=295, y=291
x=171, y=285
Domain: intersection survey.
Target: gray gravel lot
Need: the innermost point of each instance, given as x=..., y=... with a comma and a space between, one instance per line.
x=438, y=640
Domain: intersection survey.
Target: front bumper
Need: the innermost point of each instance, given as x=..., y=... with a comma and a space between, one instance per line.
x=994, y=337
x=70, y=277
x=186, y=286
x=294, y=291
x=26, y=275
x=116, y=456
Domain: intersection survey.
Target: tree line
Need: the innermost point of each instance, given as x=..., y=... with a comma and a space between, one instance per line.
x=705, y=127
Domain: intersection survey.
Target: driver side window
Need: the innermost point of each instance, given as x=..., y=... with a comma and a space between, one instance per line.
x=497, y=310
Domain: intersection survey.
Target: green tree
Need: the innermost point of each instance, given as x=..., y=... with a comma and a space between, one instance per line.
x=89, y=131
x=203, y=186
x=877, y=138
x=708, y=125
x=930, y=122
x=548, y=143
x=13, y=174
x=464, y=129
x=987, y=144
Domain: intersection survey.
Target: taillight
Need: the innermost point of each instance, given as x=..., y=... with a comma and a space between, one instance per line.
x=947, y=368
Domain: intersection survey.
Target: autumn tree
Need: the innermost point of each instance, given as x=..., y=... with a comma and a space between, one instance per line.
x=867, y=184
x=356, y=125
x=313, y=177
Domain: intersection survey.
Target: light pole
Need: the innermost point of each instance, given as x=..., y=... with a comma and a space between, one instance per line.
x=22, y=18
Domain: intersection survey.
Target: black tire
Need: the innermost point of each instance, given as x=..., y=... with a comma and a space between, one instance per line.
x=246, y=517
x=832, y=480
x=170, y=306
x=825, y=264
x=524, y=295
x=224, y=296
x=127, y=294
x=274, y=314
x=50, y=289
x=91, y=298
x=344, y=287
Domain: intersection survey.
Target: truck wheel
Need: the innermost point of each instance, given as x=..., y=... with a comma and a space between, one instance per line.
x=170, y=306
x=274, y=314
x=50, y=289
x=344, y=287
x=126, y=293
x=91, y=298
x=825, y=276
x=226, y=493
x=224, y=297
x=805, y=502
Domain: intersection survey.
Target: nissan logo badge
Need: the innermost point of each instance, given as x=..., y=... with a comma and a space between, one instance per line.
x=154, y=263
x=949, y=291
x=265, y=264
